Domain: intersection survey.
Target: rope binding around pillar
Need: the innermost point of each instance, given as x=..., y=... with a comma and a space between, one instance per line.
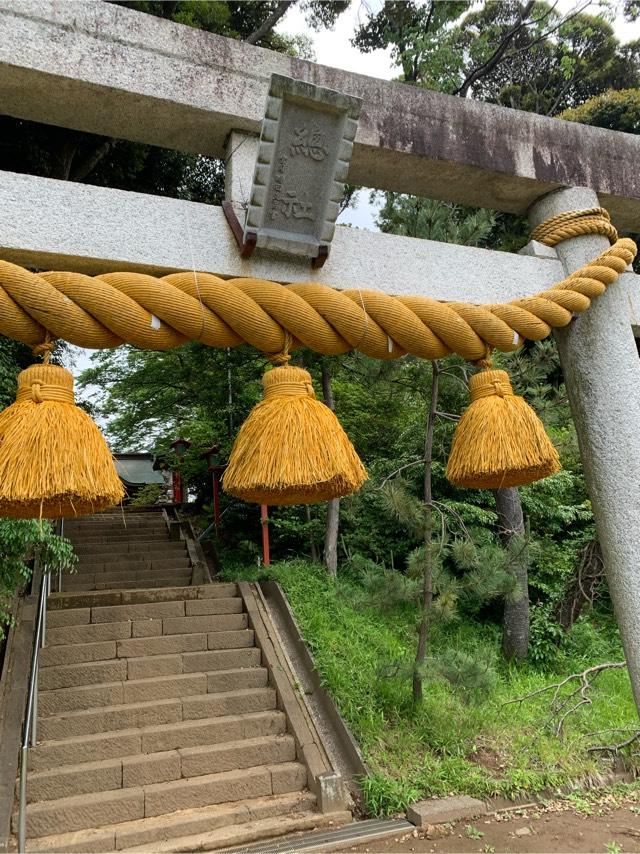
x=500, y=441
x=160, y=313
x=54, y=462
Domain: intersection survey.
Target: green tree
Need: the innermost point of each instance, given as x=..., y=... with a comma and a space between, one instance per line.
x=612, y=110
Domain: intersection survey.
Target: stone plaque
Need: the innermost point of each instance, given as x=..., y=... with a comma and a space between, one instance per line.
x=303, y=159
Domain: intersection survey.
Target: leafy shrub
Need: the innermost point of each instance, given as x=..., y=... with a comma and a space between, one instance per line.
x=21, y=541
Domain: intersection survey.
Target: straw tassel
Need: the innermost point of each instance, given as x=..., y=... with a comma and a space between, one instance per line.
x=54, y=462
x=292, y=449
x=499, y=441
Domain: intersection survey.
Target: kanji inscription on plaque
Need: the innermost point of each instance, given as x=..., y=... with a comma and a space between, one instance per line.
x=303, y=159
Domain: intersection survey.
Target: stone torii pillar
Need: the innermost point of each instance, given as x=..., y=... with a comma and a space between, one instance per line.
x=602, y=373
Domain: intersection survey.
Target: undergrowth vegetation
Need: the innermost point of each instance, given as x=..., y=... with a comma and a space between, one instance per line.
x=457, y=740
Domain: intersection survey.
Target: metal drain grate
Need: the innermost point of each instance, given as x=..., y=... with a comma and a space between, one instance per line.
x=349, y=834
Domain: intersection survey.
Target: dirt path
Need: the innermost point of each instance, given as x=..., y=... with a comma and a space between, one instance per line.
x=609, y=823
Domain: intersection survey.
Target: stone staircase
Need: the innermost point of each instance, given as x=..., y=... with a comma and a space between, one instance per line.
x=118, y=550
x=159, y=726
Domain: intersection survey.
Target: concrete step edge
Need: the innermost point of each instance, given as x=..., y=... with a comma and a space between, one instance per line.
x=238, y=746
x=232, y=836
x=171, y=825
x=153, y=729
x=149, y=704
x=174, y=768
x=141, y=683
x=59, y=805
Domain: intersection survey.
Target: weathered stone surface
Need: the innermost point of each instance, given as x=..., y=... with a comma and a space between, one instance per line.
x=230, y=703
x=84, y=811
x=138, y=647
x=198, y=761
x=110, y=719
x=83, y=697
x=303, y=158
x=194, y=733
x=77, y=842
x=156, y=88
x=220, y=659
x=144, y=770
x=162, y=687
x=233, y=680
x=154, y=666
x=211, y=789
x=72, y=617
x=206, y=819
x=602, y=371
x=230, y=640
x=216, y=591
x=76, y=653
x=72, y=780
x=91, y=747
x=137, y=612
x=441, y=810
x=191, y=625
x=86, y=673
x=142, y=236
x=288, y=777
x=92, y=633
x=146, y=628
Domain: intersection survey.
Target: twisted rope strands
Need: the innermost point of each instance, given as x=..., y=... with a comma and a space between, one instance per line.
x=161, y=313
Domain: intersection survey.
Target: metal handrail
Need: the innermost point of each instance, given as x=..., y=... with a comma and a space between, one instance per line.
x=60, y=534
x=29, y=726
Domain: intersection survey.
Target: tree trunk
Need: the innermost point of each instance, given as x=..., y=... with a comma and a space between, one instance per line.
x=333, y=507
x=427, y=577
x=313, y=548
x=582, y=588
x=515, y=624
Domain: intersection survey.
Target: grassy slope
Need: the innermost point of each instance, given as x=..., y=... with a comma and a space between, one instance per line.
x=449, y=745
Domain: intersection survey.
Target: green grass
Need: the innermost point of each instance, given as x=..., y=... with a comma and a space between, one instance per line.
x=447, y=745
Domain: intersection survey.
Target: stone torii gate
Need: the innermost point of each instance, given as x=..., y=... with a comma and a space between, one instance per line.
x=107, y=70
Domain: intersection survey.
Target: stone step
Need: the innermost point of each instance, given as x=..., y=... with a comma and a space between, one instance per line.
x=178, y=574
x=145, y=769
x=74, y=601
x=142, y=690
x=131, y=548
x=119, y=537
x=220, y=659
x=155, y=739
x=84, y=673
x=117, y=533
x=114, y=613
x=185, y=646
x=186, y=822
x=64, y=653
x=116, y=806
x=89, y=635
x=135, y=715
x=129, y=523
x=256, y=782
x=242, y=833
x=159, y=580
x=124, y=563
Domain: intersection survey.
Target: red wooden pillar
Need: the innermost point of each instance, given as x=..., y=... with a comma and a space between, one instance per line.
x=265, y=534
x=177, y=486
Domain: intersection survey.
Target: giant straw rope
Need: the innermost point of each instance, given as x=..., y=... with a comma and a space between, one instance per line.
x=163, y=312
